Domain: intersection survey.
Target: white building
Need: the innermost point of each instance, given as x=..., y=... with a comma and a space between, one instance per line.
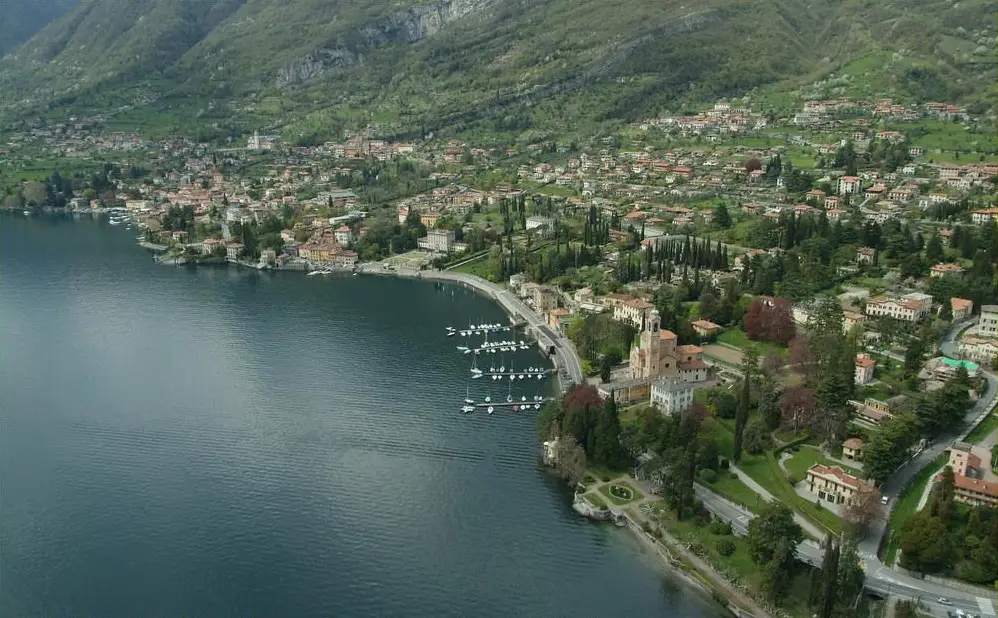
x=343, y=235
x=984, y=216
x=979, y=350
x=671, y=395
x=849, y=184
x=864, y=368
x=437, y=241
x=897, y=308
x=633, y=312
x=988, y=326
x=536, y=222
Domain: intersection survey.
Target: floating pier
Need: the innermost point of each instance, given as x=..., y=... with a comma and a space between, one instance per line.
x=525, y=374
x=477, y=329
x=494, y=347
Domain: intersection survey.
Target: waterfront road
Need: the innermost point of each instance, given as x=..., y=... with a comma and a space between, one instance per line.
x=879, y=578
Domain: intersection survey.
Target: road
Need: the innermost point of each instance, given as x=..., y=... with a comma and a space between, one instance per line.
x=879, y=578
x=900, y=479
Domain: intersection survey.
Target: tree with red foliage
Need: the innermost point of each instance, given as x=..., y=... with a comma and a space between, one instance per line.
x=580, y=395
x=798, y=406
x=698, y=412
x=769, y=319
x=753, y=164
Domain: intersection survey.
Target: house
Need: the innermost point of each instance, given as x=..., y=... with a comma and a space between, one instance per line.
x=866, y=255
x=941, y=270
x=979, y=349
x=988, y=324
x=968, y=472
x=545, y=298
x=233, y=250
x=321, y=247
x=831, y=202
x=429, y=219
x=539, y=222
x=851, y=318
x=634, y=312
x=976, y=492
x=849, y=185
x=209, y=245
x=343, y=235
x=852, y=449
x=705, y=328
x=984, y=215
x=437, y=241
x=872, y=411
x=899, y=309
x=671, y=395
x=961, y=307
x=864, y=368
x=558, y=318
x=833, y=484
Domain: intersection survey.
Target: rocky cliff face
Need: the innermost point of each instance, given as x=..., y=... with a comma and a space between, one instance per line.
x=404, y=27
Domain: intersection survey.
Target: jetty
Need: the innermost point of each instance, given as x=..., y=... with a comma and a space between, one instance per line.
x=494, y=347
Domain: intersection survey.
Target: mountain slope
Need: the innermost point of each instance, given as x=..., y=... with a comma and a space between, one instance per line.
x=309, y=68
x=21, y=19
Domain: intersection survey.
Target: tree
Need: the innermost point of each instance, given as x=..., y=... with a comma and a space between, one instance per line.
x=741, y=418
x=864, y=509
x=941, y=503
x=773, y=537
x=798, y=407
x=888, y=448
x=757, y=438
x=826, y=594
x=722, y=217
x=724, y=403
x=925, y=543
x=606, y=365
x=934, y=249
x=571, y=460
x=769, y=320
x=35, y=193
x=769, y=404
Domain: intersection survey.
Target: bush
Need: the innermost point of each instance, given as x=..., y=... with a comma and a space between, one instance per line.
x=725, y=463
x=708, y=476
x=725, y=547
x=792, y=478
x=606, y=479
x=720, y=528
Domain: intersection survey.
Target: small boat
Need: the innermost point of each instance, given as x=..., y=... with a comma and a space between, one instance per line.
x=537, y=406
x=27, y=213
x=467, y=409
x=491, y=410
x=450, y=333
x=467, y=397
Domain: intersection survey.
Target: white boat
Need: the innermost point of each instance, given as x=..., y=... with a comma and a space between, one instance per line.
x=113, y=222
x=537, y=406
x=313, y=273
x=467, y=409
x=467, y=397
x=491, y=410
x=27, y=213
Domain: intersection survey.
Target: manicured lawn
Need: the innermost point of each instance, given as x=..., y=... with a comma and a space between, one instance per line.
x=635, y=494
x=595, y=499
x=731, y=487
x=982, y=431
x=807, y=457
x=478, y=267
x=906, y=504
x=605, y=473
x=736, y=337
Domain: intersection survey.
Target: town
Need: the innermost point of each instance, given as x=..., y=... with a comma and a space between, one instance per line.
x=784, y=323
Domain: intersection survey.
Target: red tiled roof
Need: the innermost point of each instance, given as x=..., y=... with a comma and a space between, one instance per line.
x=838, y=473
x=853, y=443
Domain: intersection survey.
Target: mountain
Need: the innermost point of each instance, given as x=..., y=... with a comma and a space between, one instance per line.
x=21, y=19
x=223, y=67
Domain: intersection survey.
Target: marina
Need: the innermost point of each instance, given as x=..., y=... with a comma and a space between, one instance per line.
x=515, y=404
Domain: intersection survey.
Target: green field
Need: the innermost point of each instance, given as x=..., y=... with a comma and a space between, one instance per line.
x=983, y=429
x=736, y=337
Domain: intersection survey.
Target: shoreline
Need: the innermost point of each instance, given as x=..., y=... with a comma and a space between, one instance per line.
x=518, y=312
